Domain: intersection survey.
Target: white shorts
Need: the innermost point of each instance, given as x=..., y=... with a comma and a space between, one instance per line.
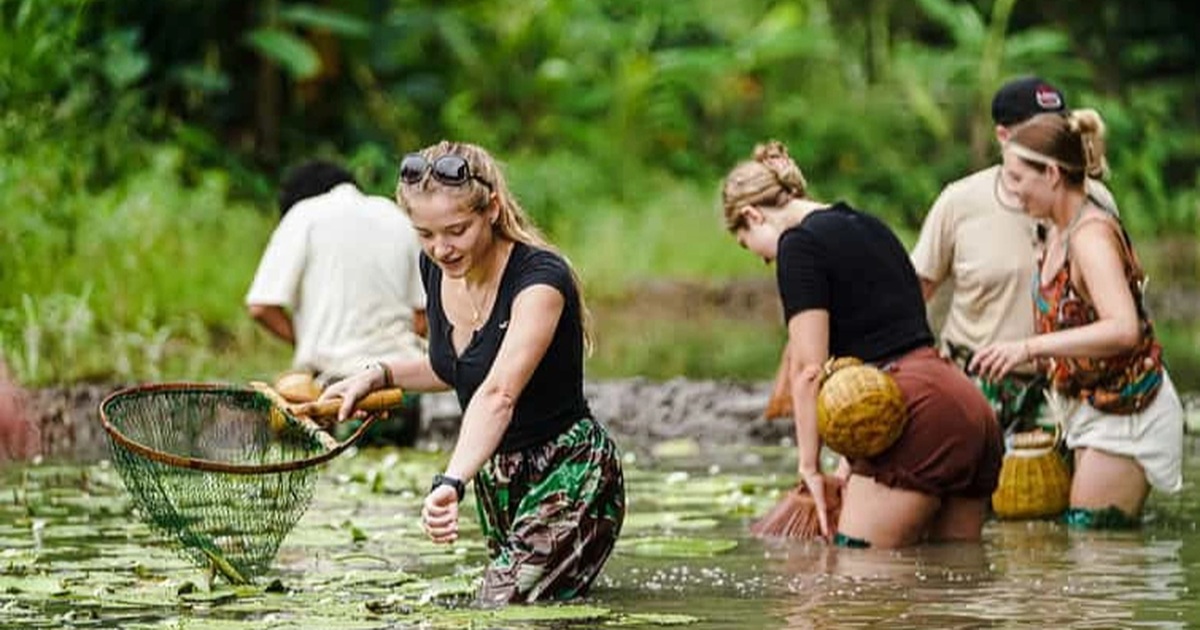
x=1153, y=437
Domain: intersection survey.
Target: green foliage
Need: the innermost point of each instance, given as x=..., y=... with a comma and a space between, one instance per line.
x=141, y=144
x=289, y=51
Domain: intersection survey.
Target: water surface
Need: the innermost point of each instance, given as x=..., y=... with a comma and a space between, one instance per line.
x=73, y=553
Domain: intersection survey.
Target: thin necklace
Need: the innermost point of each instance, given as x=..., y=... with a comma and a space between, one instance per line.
x=1066, y=233
x=476, y=311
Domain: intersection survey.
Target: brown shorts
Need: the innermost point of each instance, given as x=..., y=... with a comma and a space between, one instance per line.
x=952, y=445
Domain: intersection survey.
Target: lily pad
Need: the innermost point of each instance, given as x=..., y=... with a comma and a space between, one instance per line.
x=545, y=612
x=653, y=619
x=677, y=448
x=677, y=547
x=31, y=584
x=692, y=520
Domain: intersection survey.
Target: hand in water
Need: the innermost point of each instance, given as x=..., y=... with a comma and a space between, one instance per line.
x=815, y=482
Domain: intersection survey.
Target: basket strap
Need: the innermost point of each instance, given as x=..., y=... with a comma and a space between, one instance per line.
x=306, y=424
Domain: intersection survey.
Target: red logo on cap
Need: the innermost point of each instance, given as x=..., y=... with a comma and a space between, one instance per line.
x=1048, y=97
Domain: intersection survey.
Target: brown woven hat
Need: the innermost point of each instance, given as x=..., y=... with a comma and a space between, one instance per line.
x=860, y=408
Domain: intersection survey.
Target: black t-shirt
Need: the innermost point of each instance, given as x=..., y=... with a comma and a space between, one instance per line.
x=852, y=265
x=553, y=399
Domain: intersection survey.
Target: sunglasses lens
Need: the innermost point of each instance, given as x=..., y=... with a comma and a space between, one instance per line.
x=452, y=169
x=412, y=168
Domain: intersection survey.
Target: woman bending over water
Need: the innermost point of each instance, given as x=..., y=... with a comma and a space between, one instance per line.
x=849, y=289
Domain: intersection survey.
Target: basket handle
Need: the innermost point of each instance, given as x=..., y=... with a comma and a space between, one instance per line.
x=306, y=423
x=380, y=400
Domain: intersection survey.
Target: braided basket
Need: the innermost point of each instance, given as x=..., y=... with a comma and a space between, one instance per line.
x=1034, y=482
x=860, y=408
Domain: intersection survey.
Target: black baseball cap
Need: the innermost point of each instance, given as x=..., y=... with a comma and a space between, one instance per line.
x=1021, y=99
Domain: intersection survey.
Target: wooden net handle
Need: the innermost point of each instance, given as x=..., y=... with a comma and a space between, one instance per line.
x=306, y=423
x=380, y=400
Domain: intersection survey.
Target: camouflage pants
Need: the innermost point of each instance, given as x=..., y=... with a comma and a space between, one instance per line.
x=1017, y=399
x=551, y=515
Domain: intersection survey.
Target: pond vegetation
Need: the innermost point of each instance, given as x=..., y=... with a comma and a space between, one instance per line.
x=75, y=554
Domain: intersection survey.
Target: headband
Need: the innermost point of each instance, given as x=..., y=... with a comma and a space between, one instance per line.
x=1023, y=151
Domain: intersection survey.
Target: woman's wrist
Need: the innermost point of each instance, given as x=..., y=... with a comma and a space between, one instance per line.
x=385, y=377
x=1029, y=350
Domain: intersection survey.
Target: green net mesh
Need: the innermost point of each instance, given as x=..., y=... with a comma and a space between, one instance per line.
x=229, y=522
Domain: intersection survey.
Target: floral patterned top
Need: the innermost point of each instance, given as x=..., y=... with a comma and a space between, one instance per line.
x=1120, y=384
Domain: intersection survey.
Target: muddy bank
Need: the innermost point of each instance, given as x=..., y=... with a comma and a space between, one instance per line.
x=639, y=412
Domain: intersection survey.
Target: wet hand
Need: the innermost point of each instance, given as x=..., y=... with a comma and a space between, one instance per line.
x=815, y=482
x=994, y=361
x=439, y=515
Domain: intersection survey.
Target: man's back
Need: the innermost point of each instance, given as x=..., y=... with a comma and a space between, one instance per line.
x=345, y=263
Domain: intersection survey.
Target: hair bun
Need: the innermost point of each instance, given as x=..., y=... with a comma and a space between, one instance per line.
x=1090, y=128
x=774, y=155
x=769, y=151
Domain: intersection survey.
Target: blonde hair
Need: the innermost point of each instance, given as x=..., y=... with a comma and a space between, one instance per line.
x=513, y=223
x=1074, y=141
x=770, y=179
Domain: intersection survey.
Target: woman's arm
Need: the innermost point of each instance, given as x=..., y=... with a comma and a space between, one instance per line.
x=1097, y=259
x=808, y=348
x=535, y=314
x=409, y=374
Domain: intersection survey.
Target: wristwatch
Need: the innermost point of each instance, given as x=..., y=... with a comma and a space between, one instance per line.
x=446, y=480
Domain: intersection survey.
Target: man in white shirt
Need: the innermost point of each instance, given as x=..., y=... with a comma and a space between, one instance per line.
x=339, y=279
x=979, y=241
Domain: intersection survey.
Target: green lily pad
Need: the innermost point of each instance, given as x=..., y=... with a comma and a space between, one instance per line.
x=677, y=547
x=549, y=612
x=654, y=619
x=677, y=448
x=693, y=520
x=31, y=584
x=212, y=598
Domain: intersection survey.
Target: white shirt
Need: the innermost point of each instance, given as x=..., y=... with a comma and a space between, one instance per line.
x=345, y=264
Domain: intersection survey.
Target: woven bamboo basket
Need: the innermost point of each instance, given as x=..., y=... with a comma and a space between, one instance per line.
x=860, y=408
x=1034, y=482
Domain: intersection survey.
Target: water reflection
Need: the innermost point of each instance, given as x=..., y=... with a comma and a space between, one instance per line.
x=1026, y=574
x=921, y=587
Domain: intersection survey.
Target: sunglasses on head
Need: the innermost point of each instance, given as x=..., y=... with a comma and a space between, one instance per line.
x=451, y=170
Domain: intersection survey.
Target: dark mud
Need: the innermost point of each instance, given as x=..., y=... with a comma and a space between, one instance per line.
x=639, y=412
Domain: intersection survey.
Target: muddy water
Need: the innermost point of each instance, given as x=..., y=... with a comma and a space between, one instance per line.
x=74, y=554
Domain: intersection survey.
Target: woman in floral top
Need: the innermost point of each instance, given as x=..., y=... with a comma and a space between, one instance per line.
x=1119, y=409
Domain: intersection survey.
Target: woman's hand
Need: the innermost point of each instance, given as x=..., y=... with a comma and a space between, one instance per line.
x=815, y=482
x=353, y=389
x=993, y=361
x=439, y=515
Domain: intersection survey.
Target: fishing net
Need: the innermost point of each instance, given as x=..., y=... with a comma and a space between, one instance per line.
x=220, y=469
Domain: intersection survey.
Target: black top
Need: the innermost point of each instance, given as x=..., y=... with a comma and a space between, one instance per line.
x=553, y=399
x=852, y=265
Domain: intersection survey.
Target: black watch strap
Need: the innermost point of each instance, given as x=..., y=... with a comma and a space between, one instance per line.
x=445, y=480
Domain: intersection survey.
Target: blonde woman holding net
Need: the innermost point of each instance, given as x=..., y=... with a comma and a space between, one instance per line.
x=508, y=332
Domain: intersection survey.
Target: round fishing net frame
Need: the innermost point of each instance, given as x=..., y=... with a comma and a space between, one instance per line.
x=218, y=468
